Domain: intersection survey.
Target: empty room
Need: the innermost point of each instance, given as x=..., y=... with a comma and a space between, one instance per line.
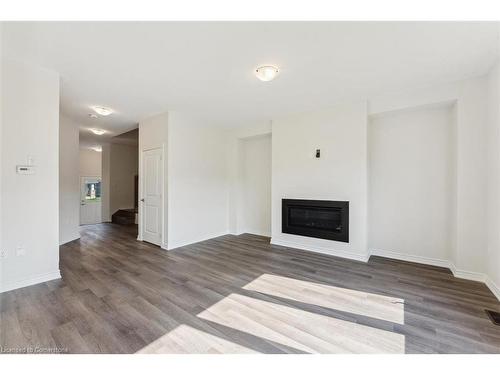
x=250, y=187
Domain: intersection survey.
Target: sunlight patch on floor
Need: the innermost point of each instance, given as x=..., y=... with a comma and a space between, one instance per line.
x=302, y=330
x=188, y=340
x=352, y=301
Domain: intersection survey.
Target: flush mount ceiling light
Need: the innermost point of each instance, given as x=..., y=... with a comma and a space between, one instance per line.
x=98, y=131
x=103, y=111
x=267, y=73
x=97, y=148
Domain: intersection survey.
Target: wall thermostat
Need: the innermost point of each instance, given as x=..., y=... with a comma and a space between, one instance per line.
x=25, y=169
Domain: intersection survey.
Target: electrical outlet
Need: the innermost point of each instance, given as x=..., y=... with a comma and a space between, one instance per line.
x=3, y=254
x=20, y=251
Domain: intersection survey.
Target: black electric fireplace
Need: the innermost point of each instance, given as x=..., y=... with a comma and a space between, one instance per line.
x=319, y=219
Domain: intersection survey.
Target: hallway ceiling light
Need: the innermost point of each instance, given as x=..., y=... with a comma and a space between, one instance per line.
x=98, y=131
x=267, y=72
x=103, y=111
x=97, y=148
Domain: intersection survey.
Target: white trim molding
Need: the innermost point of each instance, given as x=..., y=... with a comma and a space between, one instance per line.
x=322, y=250
x=495, y=289
x=468, y=275
x=410, y=258
x=31, y=281
x=460, y=274
x=72, y=238
x=190, y=242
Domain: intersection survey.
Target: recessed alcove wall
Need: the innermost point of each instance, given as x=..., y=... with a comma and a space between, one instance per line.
x=255, y=185
x=412, y=182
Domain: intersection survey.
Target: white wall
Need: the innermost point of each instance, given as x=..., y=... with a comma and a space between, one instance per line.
x=1, y=130
x=90, y=163
x=153, y=133
x=123, y=169
x=255, y=200
x=471, y=249
x=234, y=167
x=69, y=181
x=473, y=245
x=340, y=173
x=493, y=170
x=197, y=180
x=410, y=182
x=30, y=203
x=105, y=182
x=469, y=228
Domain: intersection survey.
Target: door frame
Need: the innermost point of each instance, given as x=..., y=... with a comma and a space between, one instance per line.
x=140, y=233
x=82, y=179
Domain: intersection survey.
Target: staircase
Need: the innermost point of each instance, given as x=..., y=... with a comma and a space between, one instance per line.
x=124, y=217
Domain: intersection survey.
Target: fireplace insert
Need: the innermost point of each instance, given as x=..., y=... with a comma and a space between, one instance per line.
x=312, y=218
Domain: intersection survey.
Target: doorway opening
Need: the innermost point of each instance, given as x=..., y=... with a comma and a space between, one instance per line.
x=90, y=200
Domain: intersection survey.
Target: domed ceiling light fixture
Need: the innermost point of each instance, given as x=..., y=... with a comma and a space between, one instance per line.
x=98, y=131
x=103, y=111
x=267, y=73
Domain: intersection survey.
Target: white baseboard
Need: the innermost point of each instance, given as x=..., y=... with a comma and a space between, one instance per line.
x=71, y=238
x=468, y=275
x=257, y=232
x=190, y=242
x=30, y=281
x=460, y=274
x=495, y=289
x=410, y=258
x=321, y=250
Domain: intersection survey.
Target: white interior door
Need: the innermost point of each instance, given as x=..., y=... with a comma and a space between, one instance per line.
x=90, y=200
x=152, y=214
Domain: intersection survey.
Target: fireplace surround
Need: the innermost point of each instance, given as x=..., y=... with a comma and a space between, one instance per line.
x=316, y=218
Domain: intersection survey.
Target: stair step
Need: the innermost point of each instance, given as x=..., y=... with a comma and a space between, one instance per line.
x=124, y=216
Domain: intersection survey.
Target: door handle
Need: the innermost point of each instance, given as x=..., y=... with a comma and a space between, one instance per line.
x=142, y=200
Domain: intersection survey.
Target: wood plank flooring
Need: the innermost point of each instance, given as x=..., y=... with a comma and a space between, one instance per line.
x=239, y=294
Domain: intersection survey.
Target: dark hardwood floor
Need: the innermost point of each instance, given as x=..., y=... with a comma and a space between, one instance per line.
x=240, y=294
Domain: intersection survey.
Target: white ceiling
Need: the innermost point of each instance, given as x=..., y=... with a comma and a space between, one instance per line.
x=90, y=141
x=206, y=68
